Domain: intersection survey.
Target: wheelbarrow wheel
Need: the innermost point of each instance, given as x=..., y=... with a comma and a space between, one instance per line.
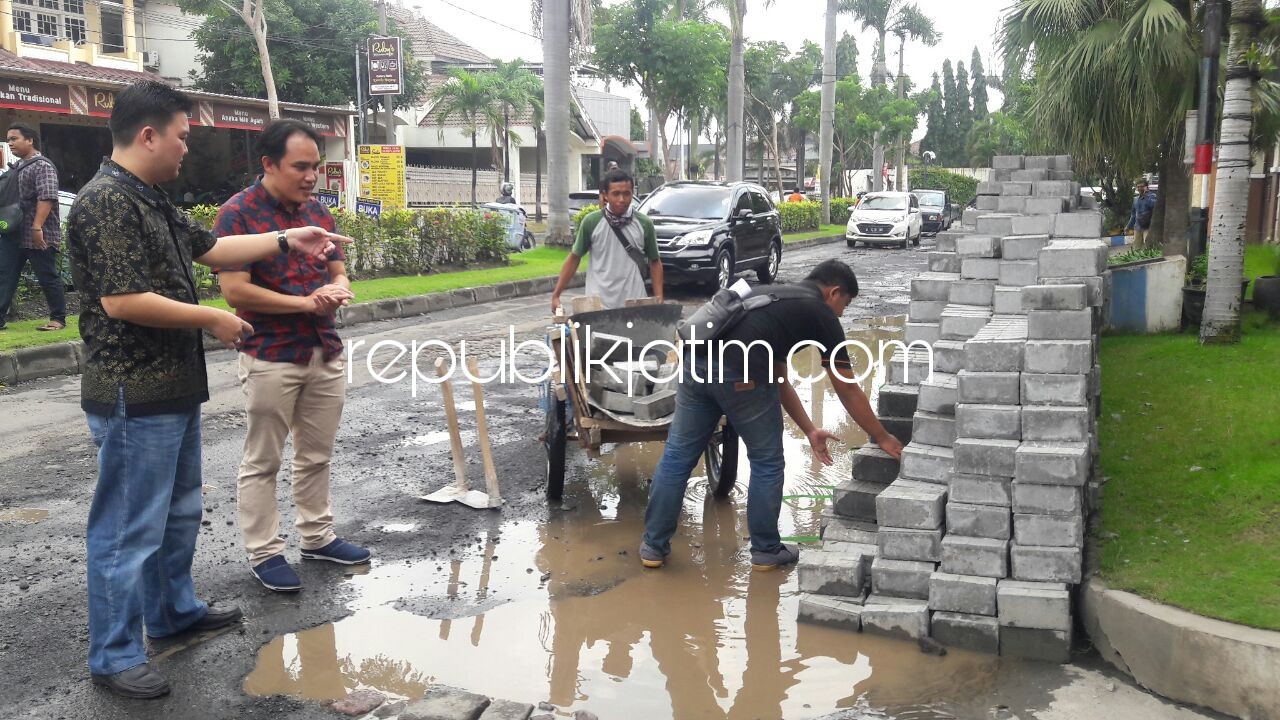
x=555, y=445
x=721, y=459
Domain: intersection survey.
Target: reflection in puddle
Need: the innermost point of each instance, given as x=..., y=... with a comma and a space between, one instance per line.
x=399, y=527
x=561, y=611
x=23, y=515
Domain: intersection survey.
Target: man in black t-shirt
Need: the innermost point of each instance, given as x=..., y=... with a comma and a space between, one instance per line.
x=750, y=388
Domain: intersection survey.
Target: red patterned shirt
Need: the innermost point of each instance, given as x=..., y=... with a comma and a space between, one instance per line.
x=293, y=337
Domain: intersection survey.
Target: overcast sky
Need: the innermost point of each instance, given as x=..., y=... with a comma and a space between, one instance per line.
x=964, y=24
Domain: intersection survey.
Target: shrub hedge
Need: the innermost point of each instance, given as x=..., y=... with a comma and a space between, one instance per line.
x=961, y=189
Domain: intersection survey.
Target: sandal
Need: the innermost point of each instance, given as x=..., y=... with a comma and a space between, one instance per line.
x=51, y=326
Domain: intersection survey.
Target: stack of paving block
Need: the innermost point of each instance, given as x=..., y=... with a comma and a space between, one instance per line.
x=978, y=540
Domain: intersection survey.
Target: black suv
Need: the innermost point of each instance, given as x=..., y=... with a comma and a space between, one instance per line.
x=711, y=231
x=936, y=210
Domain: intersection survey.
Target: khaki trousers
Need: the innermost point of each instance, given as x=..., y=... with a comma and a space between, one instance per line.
x=1140, y=238
x=284, y=398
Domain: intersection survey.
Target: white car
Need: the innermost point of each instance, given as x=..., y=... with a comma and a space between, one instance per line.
x=885, y=218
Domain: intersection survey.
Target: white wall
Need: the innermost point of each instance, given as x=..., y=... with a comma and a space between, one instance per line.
x=177, y=51
x=611, y=114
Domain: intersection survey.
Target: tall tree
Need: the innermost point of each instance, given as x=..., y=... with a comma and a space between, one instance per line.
x=637, y=126
x=565, y=27
x=995, y=134
x=253, y=14
x=827, y=105
x=737, y=84
x=846, y=57
x=934, y=118
x=962, y=119
x=516, y=89
x=947, y=139
x=1221, y=321
x=979, y=92
x=911, y=24
x=473, y=99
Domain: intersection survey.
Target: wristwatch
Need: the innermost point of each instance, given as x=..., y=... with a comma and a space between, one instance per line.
x=282, y=239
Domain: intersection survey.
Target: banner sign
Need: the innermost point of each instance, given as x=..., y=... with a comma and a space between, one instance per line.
x=328, y=198
x=386, y=74
x=30, y=95
x=335, y=177
x=369, y=207
x=382, y=177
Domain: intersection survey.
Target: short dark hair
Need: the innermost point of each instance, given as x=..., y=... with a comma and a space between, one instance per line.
x=1144, y=183
x=613, y=176
x=834, y=273
x=145, y=103
x=27, y=131
x=275, y=138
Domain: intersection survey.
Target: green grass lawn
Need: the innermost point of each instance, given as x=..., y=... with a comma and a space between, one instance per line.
x=1191, y=447
x=824, y=231
x=539, y=262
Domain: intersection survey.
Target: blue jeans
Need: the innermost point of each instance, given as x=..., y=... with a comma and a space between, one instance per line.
x=756, y=414
x=13, y=257
x=142, y=533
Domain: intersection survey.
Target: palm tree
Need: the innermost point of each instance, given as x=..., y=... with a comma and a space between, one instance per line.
x=913, y=24
x=877, y=15
x=470, y=98
x=736, y=135
x=1221, y=320
x=827, y=112
x=517, y=89
x=565, y=26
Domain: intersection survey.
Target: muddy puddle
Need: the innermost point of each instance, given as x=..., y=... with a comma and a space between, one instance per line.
x=23, y=515
x=561, y=611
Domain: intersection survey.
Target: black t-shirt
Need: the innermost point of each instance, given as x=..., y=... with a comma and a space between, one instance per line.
x=781, y=325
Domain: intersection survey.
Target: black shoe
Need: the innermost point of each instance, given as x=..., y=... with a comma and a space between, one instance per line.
x=137, y=682
x=214, y=619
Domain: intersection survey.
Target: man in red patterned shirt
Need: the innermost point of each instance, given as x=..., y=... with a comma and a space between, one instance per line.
x=291, y=367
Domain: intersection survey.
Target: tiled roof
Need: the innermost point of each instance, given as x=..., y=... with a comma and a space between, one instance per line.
x=430, y=41
x=74, y=71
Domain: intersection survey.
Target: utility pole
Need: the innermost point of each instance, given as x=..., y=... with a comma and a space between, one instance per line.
x=360, y=103
x=387, y=104
x=1211, y=44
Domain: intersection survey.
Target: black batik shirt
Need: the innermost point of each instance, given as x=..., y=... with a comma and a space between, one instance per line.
x=124, y=237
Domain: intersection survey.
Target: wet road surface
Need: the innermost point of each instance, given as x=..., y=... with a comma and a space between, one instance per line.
x=530, y=603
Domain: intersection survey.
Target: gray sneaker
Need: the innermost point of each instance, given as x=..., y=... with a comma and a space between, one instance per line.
x=651, y=558
x=766, y=561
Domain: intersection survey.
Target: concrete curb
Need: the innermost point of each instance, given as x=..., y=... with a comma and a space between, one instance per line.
x=811, y=242
x=1182, y=656
x=67, y=358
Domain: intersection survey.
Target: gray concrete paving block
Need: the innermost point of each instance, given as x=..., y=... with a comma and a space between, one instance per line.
x=1001, y=175
x=948, y=356
x=831, y=573
x=507, y=710
x=900, y=428
x=998, y=224
x=1018, y=273
x=1048, y=389
x=977, y=633
x=1007, y=162
x=1065, y=357
x=985, y=456
x=922, y=332
x=1063, y=163
x=972, y=292
x=947, y=262
x=975, y=556
x=969, y=219
x=443, y=702
x=1031, y=174
x=901, y=578
x=987, y=202
x=832, y=612
x=871, y=464
x=1011, y=204
x=1024, y=246
x=1085, y=224
x=896, y=617
x=938, y=395
x=961, y=327
x=928, y=463
x=970, y=594
x=1040, y=563
x=1050, y=206
x=989, y=421
x=1059, y=324
x=1055, y=297
x=910, y=544
x=988, y=188
x=1047, y=530
x=1052, y=464
x=906, y=505
x=910, y=368
x=1073, y=257
x=617, y=380
x=981, y=489
x=1042, y=606
x=984, y=521
x=934, y=429
x=1059, y=188
x=932, y=285
x=1055, y=423
x=1048, y=645
x=946, y=241
x=655, y=406
x=993, y=388
x=980, y=246
x=837, y=529
x=856, y=500
x=1038, y=225
x=1039, y=162
x=898, y=400
x=980, y=269
x=1046, y=499
x=1008, y=301
x=1097, y=287
x=617, y=402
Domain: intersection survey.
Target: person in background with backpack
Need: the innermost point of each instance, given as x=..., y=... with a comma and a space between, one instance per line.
x=620, y=241
x=1140, y=219
x=38, y=234
x=751, y=391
